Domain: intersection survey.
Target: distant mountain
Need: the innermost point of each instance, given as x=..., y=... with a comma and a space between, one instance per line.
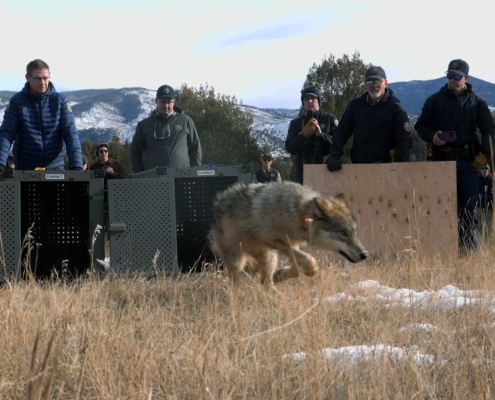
x=103, y=113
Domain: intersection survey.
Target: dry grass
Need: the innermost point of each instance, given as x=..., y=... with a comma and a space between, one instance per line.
x=197, y=337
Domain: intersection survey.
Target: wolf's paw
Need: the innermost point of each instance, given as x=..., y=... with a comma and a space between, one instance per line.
x=312, y=268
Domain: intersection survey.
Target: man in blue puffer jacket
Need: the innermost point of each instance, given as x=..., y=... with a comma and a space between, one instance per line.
x=40, y=123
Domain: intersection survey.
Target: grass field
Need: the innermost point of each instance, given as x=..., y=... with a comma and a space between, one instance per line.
x=198, y=337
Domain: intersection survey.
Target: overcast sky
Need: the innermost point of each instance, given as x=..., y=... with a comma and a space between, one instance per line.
x=258, y=51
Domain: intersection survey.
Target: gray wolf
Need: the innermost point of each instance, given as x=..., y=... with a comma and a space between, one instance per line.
x=252, y=222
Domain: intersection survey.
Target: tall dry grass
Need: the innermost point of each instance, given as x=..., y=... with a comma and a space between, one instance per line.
x=198, y=337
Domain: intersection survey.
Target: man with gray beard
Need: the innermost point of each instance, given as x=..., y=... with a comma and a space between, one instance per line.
x=379, y=123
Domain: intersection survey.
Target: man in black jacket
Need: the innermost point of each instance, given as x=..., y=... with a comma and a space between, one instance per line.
x=309, y=135
x=379, y=123
x=456, y=108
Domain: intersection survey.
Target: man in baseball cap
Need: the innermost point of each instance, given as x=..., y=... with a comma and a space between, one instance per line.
x=167, y=138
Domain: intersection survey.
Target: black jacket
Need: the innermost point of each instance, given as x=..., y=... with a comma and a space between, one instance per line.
x=312, y=150
x=444, y=111
x=262, y=176
x=381, y=131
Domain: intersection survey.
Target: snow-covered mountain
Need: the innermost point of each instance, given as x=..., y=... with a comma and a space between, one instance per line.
x=103, y=113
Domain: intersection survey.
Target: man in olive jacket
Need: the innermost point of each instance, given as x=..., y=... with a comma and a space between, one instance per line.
x=167, y=138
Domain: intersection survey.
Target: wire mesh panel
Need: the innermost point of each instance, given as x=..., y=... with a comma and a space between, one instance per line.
x=10, y=243
x=142, y=226
x=57, y=216
x=60, y=211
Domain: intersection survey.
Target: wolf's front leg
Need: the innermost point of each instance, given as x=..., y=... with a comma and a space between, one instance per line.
x=299, y=262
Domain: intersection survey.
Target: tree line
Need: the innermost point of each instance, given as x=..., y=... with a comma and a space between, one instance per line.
x=225, y=130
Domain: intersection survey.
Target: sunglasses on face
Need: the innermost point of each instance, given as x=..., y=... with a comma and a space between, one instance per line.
x=266, y=159
x=455, y=77
x=374, y=82
x=103, y=151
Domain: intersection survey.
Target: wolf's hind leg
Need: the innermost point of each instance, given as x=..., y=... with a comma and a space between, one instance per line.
x=234, y=261
x=267, y=262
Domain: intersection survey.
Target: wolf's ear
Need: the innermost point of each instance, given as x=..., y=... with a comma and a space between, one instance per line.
x=321, y=206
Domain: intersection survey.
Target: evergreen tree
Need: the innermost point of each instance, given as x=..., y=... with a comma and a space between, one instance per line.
x=339, y=80
x=225, y=131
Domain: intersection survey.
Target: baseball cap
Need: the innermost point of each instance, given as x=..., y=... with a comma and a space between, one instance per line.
x=165, y=91
x=267, y=157
x=459, y=67
x=486, y=167
x=375, y=72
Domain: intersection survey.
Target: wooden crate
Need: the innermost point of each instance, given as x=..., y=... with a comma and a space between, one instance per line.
x=400, y=207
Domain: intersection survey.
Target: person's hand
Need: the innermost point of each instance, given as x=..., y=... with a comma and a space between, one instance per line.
x=109, y=170
x=75, y=168
x=2, y=168
x=309, y=129
x=437, y=141
x=479, y=161
x=334, y=164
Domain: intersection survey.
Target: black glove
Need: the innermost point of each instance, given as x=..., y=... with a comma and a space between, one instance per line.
x=2, y=168
x=334, y=164
x=76, y=168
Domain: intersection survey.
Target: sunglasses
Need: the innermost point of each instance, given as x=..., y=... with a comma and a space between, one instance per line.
x=103, y=151
x=266, y=159
x=376, y=82
x=455, y=77
x=484, y=169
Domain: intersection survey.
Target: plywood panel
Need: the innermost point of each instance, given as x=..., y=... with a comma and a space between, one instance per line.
x=400, y=207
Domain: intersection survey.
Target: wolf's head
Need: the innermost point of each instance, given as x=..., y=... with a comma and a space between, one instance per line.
x=332, y=226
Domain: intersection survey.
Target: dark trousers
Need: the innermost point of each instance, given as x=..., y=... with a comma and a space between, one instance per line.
x=467, y=193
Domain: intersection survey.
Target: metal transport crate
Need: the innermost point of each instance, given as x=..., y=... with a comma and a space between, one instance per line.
x=183, y=205
x=48, y=220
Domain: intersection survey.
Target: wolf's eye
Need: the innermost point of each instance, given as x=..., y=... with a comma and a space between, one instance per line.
x=344, y=234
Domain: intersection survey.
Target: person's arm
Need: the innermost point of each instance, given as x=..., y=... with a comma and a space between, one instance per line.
x=194, y=145
x=137, y=149
x=402, y=135
x=70, y=134
x=486, y=127
x=8, y=131
x=343, y=132
x=295, y=141
x=118, y=170
x=330, y=127
x=424, y=123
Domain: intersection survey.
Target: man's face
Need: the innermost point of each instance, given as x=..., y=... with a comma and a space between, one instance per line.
x=267, y=164
x=39, y=80
x=375, y=87
x=484, y=172
x=310, y=102
x=103, y=155
x=456, y=82
x=165, y=106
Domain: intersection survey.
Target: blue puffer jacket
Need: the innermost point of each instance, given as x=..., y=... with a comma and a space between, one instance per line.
x=42, y=127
